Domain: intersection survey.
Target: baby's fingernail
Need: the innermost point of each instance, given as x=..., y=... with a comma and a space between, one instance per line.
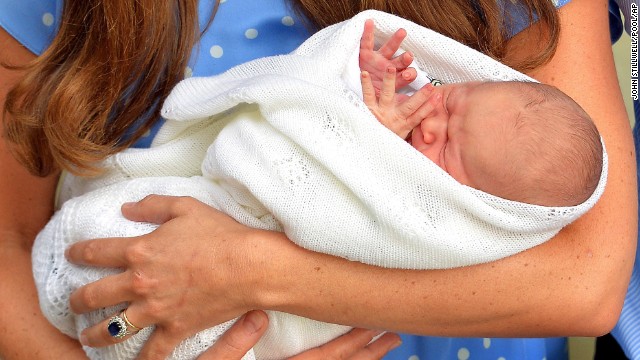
x=253, y=321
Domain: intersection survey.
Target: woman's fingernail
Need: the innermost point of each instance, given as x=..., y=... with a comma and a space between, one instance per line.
x=253, y=321
x=396, y=344
x=127, y=205
x=83, y=340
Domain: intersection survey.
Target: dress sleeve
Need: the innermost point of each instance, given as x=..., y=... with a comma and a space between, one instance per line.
x=32, y=22
x=516, y=15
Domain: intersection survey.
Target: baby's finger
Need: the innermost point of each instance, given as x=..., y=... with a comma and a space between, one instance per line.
x=367, y=39
x=402, y=61
x=368, y=91
x=389, y=48
x=388, y=90
x=416, y=101
x=424, y=110
x=405, y=77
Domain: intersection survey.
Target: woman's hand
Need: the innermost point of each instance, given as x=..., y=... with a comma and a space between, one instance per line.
x=183, y=277
x=355, y=345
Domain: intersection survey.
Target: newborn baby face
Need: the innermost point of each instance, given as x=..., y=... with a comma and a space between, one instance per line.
x=468, y=132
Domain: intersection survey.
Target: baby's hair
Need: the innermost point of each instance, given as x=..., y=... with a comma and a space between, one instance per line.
x=557, y=148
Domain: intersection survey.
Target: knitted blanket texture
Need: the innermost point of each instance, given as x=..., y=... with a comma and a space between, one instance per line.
x=284, y=143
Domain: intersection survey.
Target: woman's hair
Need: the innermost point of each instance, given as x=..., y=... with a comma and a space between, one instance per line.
x=100, y=85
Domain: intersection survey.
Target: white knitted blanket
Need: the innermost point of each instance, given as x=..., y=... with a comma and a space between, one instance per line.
x=283, y=143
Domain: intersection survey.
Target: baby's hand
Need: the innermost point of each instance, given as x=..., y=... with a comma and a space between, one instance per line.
x=377, y=62
x=398, y=113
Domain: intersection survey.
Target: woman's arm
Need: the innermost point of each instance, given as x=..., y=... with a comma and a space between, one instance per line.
x=572, y=285
x=26, y=203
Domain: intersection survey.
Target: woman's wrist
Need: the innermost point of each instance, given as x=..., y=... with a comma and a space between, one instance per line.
x=272, y=259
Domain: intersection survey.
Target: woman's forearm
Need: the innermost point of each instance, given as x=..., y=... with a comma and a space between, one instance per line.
x=24, y=332
x=559, y=288
x=572, y=285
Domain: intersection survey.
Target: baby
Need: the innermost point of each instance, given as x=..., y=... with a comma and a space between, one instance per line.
x=521, y=141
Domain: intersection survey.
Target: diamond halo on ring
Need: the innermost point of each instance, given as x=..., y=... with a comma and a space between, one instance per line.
x=118, y=328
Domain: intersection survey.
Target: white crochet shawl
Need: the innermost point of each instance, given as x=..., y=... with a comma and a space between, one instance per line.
x=283, y=143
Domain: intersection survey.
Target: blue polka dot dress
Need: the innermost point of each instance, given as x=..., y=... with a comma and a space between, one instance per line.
x=244, y=30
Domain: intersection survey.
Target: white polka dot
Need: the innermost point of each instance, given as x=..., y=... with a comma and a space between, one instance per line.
x=216, y=51
x=251, y=34
x=413, y=357
x=486, y=342
x=287, y=21
x=47, y=19
x=188, y=72
x=147, y=133
x=223, y=1
x=501, y=358
x=463, y=354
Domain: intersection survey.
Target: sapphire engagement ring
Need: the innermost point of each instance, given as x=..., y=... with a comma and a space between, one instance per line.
x=119, y=326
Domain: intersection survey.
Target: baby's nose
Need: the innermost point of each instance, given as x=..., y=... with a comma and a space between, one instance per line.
x=434, y=128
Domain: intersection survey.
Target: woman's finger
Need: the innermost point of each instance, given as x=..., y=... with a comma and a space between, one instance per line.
x=159, y=346
x=344, y=347
x=109, y=331
x=158, y=209
x=239, y=339
x=109, y=252
x=378, y=347
x=108, y=291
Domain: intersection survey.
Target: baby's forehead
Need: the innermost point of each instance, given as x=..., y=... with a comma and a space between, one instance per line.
x=515, y=89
